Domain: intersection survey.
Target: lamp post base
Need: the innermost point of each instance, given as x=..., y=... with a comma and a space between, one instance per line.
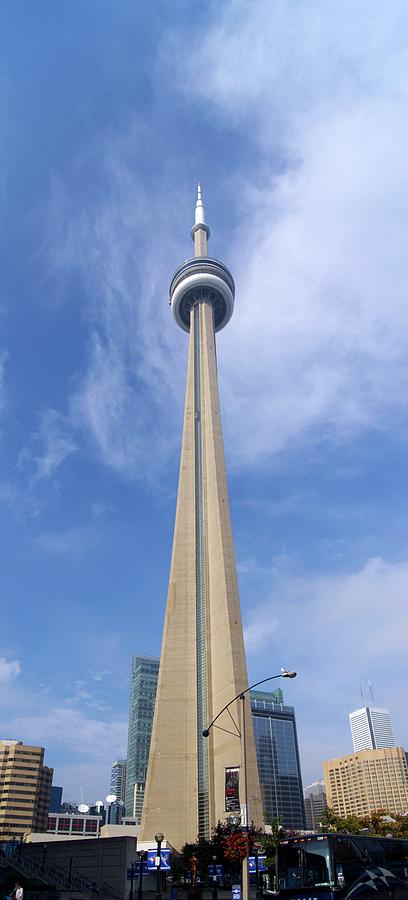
x=245, y=879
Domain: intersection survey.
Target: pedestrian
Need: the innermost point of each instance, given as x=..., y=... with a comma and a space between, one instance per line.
x=18, y=892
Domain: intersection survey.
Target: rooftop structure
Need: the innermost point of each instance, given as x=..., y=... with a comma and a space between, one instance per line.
x=371, y=728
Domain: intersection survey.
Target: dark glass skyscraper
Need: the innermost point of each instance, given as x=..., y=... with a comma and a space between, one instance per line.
x=143, y=686
x=278, y=758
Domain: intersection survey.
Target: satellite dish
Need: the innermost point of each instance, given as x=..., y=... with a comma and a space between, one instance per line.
x=83, y=808
x=111, y=798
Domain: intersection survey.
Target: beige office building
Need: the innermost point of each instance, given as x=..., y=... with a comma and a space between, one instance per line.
x=368, y=781
x=25, y=788
x=195, y=780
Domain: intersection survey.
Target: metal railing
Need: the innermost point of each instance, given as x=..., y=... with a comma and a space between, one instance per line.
x=50, y=874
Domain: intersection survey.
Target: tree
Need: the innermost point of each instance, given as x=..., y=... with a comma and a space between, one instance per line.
x=270, y=844
x=379, y=823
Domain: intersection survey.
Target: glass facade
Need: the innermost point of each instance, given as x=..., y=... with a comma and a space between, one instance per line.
x=145, y=672
x=278, y=759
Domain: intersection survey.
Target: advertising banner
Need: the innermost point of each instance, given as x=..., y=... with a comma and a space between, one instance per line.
x=164, y=856
x=261, y=864
x=232, y=789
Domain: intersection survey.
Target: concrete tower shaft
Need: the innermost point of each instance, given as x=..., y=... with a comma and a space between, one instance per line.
x=202, y=664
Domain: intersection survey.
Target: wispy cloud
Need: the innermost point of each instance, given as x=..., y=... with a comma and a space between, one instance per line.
x=3, y=394
x=72, y=541
x=118, y=408
x=48, y=448
x=9, y=670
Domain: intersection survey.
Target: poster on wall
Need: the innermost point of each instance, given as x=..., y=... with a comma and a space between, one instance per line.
x=232, y=789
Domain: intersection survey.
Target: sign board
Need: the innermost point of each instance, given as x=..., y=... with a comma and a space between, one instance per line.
x=261, y=864
x=136, y=870
x=153, y=859
x=215, y=871
x=236, y=892
x=232, y=789
x=244, y=818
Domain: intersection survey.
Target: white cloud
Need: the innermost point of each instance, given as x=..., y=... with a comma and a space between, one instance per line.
x=9, y=670
x=335, y=631
x=90, y=738
x=321, y=321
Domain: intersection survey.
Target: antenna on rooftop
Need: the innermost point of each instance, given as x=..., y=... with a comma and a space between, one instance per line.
x=361, y=692
x=371, y=691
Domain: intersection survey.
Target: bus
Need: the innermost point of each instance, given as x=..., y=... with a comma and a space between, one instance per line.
x=334, y=866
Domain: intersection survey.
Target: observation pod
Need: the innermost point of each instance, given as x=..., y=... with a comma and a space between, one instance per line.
x=202, y=279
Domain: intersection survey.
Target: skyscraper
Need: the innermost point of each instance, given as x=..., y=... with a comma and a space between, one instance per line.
x=118, y=779
x=315, y=804
x=278, y=758
x=202, y=664
x=371, y=728
x=118, y=788
x=369, y=780
x=143, y=686
x=25, y=789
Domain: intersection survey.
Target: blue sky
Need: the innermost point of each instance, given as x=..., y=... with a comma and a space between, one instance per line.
x=293, y=114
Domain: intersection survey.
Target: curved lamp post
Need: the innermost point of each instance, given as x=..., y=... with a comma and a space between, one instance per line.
x=241, y=733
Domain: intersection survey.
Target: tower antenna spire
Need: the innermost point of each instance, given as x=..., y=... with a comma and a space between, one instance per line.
x=200, y=231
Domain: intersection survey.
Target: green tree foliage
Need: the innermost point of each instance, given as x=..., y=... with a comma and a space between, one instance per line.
x=380, y=823
x=269, y=843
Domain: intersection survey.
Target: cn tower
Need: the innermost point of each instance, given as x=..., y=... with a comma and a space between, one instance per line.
x=202, y=664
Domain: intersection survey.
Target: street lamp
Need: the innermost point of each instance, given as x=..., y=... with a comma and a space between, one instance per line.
x=215, y=895
x=241, y=733
x=142, y=856
x=159, y=837
x=132, y=878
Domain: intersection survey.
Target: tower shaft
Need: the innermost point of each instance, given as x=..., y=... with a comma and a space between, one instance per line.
x=202, y=664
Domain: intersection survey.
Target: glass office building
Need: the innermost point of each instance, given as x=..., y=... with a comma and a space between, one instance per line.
x=278, y=758
x=143, y=686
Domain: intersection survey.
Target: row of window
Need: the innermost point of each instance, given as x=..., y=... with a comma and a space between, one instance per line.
x=26, y=818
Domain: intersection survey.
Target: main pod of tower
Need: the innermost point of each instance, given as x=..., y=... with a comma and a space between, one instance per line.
x=202, y=664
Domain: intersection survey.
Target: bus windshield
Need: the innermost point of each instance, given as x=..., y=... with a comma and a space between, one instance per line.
x=305, y=864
